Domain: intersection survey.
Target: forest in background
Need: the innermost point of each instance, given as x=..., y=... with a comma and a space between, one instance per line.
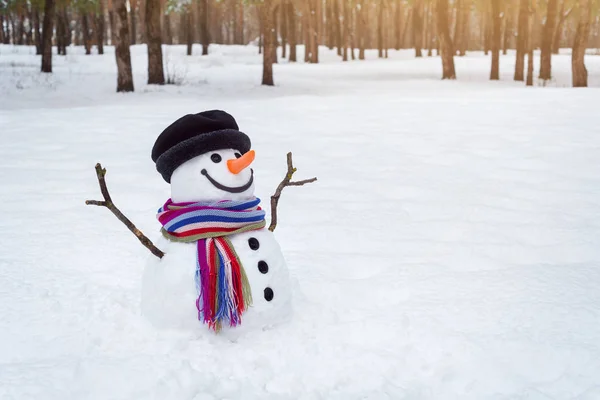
x=447, y=28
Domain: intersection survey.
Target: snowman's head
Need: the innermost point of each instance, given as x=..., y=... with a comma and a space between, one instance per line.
x=217, y=175
x=204, y=156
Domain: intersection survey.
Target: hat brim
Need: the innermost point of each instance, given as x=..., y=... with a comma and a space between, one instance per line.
x=184, y=151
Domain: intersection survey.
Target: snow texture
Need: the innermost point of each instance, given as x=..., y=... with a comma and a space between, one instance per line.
x=449, y=249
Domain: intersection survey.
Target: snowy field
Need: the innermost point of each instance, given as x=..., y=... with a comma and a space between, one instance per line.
x=449, y=250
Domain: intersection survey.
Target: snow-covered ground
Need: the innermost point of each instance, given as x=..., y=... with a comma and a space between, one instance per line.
x=449, y=250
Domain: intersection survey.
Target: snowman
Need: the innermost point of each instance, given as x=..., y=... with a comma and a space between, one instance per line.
x=221, y=268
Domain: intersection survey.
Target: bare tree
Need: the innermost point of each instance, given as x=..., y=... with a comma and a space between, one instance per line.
x=36, y=29
x=347, y=25
x=47, y=35
x=530, y=42
x=580, y=73
x=547, y=36
x=204, y=25
x=156, y=74
x=417, y=16
x=562, y=17
x=522, y=39
x=266, y=12
x=122, y=54
x=398, y=25
x=291, y=31
x=446, y=46
x=496, y=37
x=87, y=37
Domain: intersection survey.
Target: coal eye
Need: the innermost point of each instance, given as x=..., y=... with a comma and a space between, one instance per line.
x=237, y=155
x=216, y=158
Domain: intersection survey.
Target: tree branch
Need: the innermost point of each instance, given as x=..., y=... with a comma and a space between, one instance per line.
x=287, y=181
x=100, y=173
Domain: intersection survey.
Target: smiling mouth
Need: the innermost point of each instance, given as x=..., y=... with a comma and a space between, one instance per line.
x=230, y=189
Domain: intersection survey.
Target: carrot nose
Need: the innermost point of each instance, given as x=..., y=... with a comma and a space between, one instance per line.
x=237, y=165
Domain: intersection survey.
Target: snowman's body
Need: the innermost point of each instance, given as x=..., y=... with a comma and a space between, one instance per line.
x=169, y=291
x=169, y=287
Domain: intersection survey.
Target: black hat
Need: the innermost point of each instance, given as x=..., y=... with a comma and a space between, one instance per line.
x=195, y=134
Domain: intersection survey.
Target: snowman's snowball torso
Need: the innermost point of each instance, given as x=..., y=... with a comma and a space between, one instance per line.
x=169, y=292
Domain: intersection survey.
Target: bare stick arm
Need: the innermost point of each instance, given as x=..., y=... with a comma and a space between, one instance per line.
x=287, y=181
x=100, y=173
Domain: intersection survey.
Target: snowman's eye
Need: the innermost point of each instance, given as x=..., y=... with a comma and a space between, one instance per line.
x=216, y=158
x=237, y=155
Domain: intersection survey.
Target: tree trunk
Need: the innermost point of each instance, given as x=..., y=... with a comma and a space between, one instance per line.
x=306, y=31
x=292, y=32
x=284, y=29
x=464, y=31
x=496, y=39
x=337, y=20
x=547, y=36
x=346, y=36
x=122, y=41
x=20, y=28
x=274, y=34
x=267, y=18
x=405, y=31
x=29, y=28
x=398, y=26
x=354, y=30
x=133, y=7
x=362, y=28
x=238, y=23
x=36, y=30
x=488, y=24
x=430, y=30
x=100, y=29
x=522, y=39
x=13, y=29
x=312, y=31
x=329, y=39
x=530, y=42
x=559, y=28
x=156, y=74
x=204, y=26
x=60, y=33
x=318, y=30
x=167, y=31
x=87, y=38
x=580, y=73
x=507, y=33
x=380, y=28
x=530, y=67
x=47, y=36
x=111, y=22
x=446, y=46
x=2, y=35
x=261, y=30
x=458, y=25
x=77, y=34
x=189, y=32
x=418, y=27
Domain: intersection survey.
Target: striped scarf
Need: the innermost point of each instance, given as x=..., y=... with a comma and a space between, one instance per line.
x=223, y=289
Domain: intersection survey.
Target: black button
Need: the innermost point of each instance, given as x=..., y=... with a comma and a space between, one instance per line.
x=268, y=294
x=216, y=158
x=263, y=267
x=253, y=243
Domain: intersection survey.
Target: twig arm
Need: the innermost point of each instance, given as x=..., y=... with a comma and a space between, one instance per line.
x=287, y=181
x=100, y=173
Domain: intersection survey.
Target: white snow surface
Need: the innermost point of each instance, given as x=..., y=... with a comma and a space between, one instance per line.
x=449, y=249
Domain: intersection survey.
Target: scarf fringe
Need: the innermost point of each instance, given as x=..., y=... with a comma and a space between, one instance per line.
x=224, y=292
